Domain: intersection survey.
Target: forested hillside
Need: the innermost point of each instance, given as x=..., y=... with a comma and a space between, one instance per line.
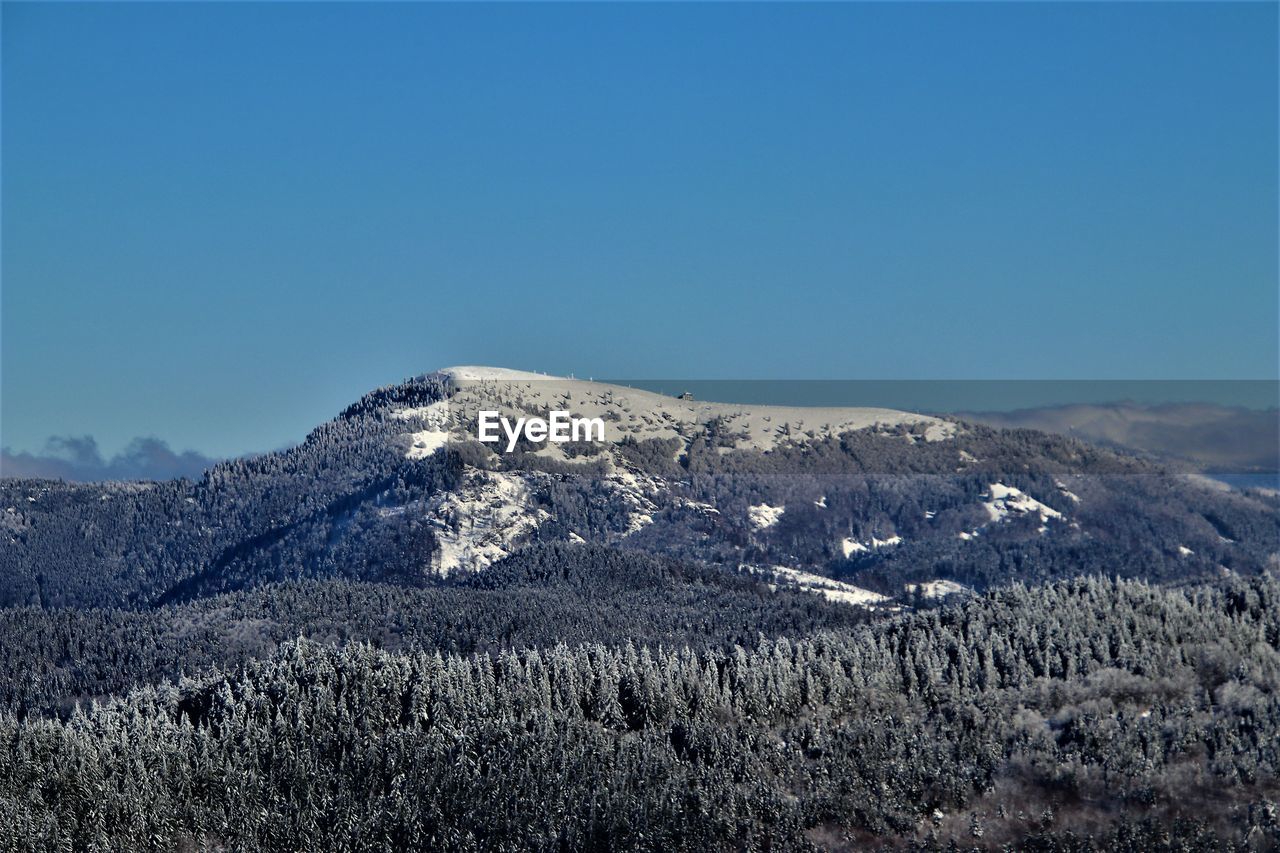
x=52, y=658
x=877, y=506
x=1080, y=715
x=723, y=628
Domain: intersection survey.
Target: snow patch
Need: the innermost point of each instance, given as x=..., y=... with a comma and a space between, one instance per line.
x=939, y=431
x=637, y=414
x=435, y=418
x=763, y=515
x=937, y=588
x=832, y=590
x=849, y=546
x=1069, y=495
x=697, y=506
x=478, y=373
x=852, y=546
x=1006, y=500
x=482, y=521
x=637, y=490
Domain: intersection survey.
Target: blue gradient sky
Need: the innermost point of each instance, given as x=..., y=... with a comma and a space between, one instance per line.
x=222, y=223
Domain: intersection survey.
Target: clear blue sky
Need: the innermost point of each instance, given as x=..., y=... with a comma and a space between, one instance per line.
x=222, y=223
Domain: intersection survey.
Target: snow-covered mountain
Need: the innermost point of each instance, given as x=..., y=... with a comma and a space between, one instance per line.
x=870, y=507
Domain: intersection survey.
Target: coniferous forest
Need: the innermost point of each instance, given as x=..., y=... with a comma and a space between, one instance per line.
x=874, y=640
x=1087, y=714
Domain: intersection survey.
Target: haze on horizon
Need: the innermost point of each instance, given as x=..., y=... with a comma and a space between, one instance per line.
x=314, y=200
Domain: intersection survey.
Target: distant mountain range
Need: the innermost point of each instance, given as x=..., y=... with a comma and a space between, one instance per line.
x=1225, y=439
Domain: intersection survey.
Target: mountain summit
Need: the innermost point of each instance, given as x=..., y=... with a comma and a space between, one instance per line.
x=861, y=506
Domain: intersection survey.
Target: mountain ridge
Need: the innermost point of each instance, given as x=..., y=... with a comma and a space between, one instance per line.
x=880, y=502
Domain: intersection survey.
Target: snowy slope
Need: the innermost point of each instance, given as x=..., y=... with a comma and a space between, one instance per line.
x=631, y=412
